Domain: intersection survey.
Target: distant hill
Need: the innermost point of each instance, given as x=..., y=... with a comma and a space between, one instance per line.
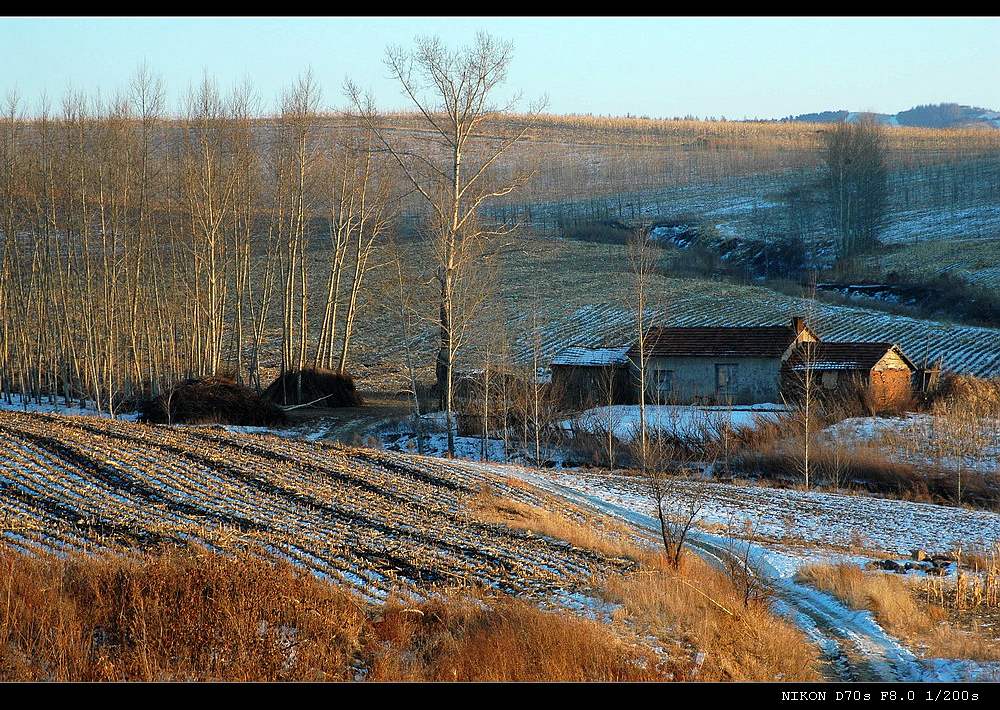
x=928, y=116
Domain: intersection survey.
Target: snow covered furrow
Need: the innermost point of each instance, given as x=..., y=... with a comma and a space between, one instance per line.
x=382, y=521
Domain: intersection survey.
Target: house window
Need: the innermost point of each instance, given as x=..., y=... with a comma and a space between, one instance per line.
x=663, y=384
x=725, y=381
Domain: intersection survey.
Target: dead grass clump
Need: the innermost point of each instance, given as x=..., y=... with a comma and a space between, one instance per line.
x=211, y=400
x=703, y=606
x=179, y=615
x=314, y=386
x=196, y=615
x=974, y=395
x=604, y=538
x=898, y=608
x=498, y=639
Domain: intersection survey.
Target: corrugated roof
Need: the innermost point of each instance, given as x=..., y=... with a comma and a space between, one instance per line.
x=591, y=357
x=761, y=342
x=841, y=356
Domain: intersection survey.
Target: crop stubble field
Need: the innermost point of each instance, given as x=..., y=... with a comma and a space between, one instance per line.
x=380, y=522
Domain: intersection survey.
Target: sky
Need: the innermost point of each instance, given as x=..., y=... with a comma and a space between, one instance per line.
x=660, y=67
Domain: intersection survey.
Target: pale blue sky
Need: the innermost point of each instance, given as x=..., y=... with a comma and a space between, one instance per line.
x=751, y=67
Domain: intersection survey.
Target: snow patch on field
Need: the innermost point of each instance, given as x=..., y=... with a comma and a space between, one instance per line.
x=927, y=440
x=812, y=517
x=17, y=403
x=680, y=421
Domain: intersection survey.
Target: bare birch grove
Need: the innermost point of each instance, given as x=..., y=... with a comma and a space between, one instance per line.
x=140, y=249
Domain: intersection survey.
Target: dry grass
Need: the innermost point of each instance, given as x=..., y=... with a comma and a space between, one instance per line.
x=703, y=607
x=458, y=639
x=195, y=615
x=691, y=611
x=899, y=609
x=599, y=535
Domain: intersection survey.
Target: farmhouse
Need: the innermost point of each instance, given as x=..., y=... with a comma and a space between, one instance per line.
x=880, y=372
x=717, y=365
x=586, y=377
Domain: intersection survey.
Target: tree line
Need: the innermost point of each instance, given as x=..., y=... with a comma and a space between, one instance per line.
x=140, y=249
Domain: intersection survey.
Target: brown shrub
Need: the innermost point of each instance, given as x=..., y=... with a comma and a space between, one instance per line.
x=211, y=400
x=314, y=386
x=870, y=468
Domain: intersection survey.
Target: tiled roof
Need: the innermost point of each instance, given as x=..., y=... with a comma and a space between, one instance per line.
x=762, y=342
x=841, y=356
x=591, y=357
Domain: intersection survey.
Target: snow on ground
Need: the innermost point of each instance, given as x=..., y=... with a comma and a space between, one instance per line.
x=17, y=403
x=681, y=421
x=825, y=519
x=925, y=439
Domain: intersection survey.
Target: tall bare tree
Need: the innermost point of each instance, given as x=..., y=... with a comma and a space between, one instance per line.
x=641, y=255
x=455, y=173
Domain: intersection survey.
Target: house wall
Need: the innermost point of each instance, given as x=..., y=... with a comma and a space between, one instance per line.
x=694, y=381
x=581, y=387
x=891, y=383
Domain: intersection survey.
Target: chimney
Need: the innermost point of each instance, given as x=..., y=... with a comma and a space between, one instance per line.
x=798, y=324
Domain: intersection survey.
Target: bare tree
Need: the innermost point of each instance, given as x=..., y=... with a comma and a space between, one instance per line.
x=610, y=418
x=740, y=540
x=404, y=282
x=642, y=267
x=678, y=494
x=454, y=93
x=856, y=161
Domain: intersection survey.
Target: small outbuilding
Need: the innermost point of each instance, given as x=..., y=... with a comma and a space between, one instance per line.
x=879, y=371
x=586, y=377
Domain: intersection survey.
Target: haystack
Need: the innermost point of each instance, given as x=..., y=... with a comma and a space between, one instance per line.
x=211, y=400
x=318, y=388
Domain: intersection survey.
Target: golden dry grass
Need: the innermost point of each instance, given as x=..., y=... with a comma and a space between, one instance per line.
x=196, y=615
x=600, y=535
x=457, y=639
x=703, y=608
x=900, y=610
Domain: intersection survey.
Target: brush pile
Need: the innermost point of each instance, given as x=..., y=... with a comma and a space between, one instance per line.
x=314, y=387
x=211, y=400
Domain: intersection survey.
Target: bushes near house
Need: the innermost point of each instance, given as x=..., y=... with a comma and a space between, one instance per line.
x=975, y=395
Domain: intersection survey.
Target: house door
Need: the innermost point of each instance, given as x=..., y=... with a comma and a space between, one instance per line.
x=726, y=376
